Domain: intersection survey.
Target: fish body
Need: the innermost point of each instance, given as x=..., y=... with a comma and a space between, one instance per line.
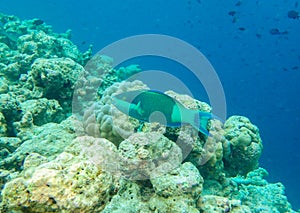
x=155, y=106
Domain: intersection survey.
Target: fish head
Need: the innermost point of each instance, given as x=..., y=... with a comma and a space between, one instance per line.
x=127, y=102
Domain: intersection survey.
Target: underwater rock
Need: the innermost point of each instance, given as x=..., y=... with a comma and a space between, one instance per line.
x=38, y=38
x=54, y=79
x=33, y=160
x=246, y=145
x=14, y=27
x=252, y=191
x=261, y=196
x=10, y=109
x=67, y=184
x=184, y=180
x=116, y=75
x=148, y=155
x=213, y=203
x=18, y=40
x=3, y=126
x=8, y=145
x=48, y=140
x=139, y=157
x=99, y=151
x=43, y=111
x=129, y=198
x=98, y=76
x=22, y=42
x=3, y=85
x=42, y=45
x=175, y=204
x=173, y=192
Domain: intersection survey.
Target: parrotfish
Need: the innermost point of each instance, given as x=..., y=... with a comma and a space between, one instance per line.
x=154, y=106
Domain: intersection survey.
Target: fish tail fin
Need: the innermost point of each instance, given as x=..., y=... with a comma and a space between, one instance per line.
x=200, y=121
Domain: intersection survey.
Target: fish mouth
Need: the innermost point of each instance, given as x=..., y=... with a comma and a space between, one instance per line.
x=121, y=105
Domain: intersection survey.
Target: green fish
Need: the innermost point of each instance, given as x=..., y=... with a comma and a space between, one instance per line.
x=155, y=106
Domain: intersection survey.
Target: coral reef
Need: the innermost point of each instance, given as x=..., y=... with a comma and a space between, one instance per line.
x=3, y=126
x=24, y=41
x=253, y=187
x=53, y=78
x=65, y=148
x=246, y=145
x=185, y=179
x=148, y=155
x=43, y=111
x=252, y=191
x=102, y=119
x=173, y=192
x=48, y=140
x=34, y=63
x=66, y=184
x=213, y=203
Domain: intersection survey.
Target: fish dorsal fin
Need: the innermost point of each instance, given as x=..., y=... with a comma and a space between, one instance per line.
x=157, y=91
x=161, y=93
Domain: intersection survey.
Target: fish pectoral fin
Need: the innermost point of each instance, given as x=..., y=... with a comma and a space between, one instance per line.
x=139, y=109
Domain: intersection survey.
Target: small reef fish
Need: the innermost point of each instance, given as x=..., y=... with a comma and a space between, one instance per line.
x=293, y=14
x=155, y=106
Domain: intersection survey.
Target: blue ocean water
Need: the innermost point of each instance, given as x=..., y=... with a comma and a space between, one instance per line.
x=253, y=45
